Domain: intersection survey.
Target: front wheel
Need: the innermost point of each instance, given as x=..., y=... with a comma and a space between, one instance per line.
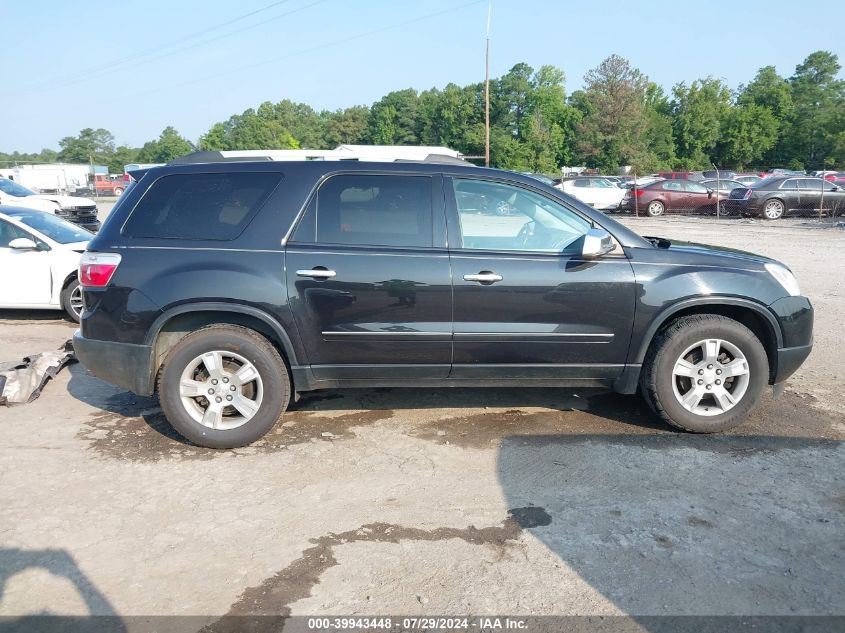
x=223, y=386
x=118, y=191
x=704, y=373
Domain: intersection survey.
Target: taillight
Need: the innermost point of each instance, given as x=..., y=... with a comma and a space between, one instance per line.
x=96, y=269
x=639, y=192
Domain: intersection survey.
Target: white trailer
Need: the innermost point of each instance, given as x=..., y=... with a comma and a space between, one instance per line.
x=56, y=178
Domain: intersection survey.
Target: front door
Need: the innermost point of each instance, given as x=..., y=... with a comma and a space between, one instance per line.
x=527, y=305
x=25, y=277
x=369, y=281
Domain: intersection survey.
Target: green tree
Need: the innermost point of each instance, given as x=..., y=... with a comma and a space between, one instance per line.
x=612, y=129
x=346, y=127
x=89, y=145
x=819, y=99
x=168, y=146
x=770, y=90
x=392, y=119
x=698, y=112
x=747, y=133
x=123, y=155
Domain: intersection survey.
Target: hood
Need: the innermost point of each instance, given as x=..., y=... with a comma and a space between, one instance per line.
x=706, y=250
x=65, y=201
x=33, y=202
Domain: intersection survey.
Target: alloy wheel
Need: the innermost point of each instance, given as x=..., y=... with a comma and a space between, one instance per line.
x=221, y=390
x=710, y=377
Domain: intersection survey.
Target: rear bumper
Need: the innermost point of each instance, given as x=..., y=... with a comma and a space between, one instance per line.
x=122, y=364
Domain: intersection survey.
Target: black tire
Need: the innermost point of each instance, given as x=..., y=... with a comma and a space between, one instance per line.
x=657, y=379
x=69, y=296
x=117, y=191
x=227, y=338
x=655, y=209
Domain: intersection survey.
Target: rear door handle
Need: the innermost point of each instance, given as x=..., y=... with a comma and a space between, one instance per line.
x=316, y=273
x=484, y=277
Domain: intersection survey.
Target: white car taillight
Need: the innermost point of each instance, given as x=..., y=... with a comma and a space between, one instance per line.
x=96, y=269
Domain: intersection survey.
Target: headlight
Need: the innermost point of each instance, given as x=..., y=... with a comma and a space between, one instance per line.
x=785, y=278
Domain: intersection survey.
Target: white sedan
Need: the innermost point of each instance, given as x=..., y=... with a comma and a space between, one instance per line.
x=599, y=193
x=39, y=257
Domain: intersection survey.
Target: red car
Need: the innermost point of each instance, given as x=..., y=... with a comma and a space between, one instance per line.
x=837, y=179
x=664, y=196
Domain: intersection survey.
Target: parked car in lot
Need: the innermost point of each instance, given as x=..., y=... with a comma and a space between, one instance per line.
x=39, y=261
x=773, y=197
x=722, y=174
x=747, y=179
x=228, y=287
x=672, y=196
x=596, y=191
x=681, y=175
x=837, y=178
x=724, y=186
x=80, y=211
x=107, y=185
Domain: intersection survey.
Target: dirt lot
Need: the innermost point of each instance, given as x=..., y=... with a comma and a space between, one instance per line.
x=437, y=502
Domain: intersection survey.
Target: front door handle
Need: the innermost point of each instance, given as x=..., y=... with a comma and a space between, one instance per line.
x=484, y=277
x=316, y=273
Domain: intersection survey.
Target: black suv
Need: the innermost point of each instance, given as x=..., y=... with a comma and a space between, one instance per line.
x=228, y=287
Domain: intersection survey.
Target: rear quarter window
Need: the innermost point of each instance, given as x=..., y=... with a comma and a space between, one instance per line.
x=200, y=206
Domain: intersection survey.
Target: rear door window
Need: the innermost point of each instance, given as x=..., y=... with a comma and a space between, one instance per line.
x=371, y=210
x=200, y=206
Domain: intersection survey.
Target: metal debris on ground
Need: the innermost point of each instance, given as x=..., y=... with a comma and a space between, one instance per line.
x=22, y=381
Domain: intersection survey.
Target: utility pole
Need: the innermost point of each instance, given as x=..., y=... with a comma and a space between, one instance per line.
x=487, y=91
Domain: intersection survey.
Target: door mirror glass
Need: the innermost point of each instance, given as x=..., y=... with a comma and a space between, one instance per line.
x=23, y=244
x=597, y=242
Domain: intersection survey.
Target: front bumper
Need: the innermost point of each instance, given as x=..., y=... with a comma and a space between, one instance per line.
x=85, y=223
x=122, y=364
x=795, y=315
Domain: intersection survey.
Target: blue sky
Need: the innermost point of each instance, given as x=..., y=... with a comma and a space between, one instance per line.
x=136, y=67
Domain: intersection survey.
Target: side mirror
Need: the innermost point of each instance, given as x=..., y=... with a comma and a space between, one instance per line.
x=597, y=242
x=23, y=244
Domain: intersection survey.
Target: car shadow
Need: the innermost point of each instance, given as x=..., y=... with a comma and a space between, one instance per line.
x=690, y=525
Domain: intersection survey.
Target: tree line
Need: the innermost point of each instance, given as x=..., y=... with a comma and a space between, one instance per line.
x=619, y=118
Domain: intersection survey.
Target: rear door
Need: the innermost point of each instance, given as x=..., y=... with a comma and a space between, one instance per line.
x=369, y=280
x=789, y=193
x=526, y=304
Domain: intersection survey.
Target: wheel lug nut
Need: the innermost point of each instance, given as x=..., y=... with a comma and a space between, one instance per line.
x=214, y=381
x=219, y=399
x=709, y=386
x=718, y=382
x=229, y=398
x=225, y=380
x=709, y=366
x=718, y=372
x=700, y=372
x=700, y=382
x=232, y=387
x=211, y=391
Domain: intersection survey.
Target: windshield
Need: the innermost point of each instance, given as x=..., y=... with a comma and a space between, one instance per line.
x=55, y=228
x=14, y=189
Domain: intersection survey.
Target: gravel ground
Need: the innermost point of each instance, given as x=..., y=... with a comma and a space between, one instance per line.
x=450, y=501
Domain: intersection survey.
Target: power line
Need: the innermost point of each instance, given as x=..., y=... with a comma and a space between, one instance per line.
x=110, y=65
x=306, y=50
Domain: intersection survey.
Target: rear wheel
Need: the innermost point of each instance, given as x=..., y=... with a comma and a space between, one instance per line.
x=223, y=386
x=72, y=300
x=773, y=209
x=655, y=208
x=704, y=373
x=118, y=191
